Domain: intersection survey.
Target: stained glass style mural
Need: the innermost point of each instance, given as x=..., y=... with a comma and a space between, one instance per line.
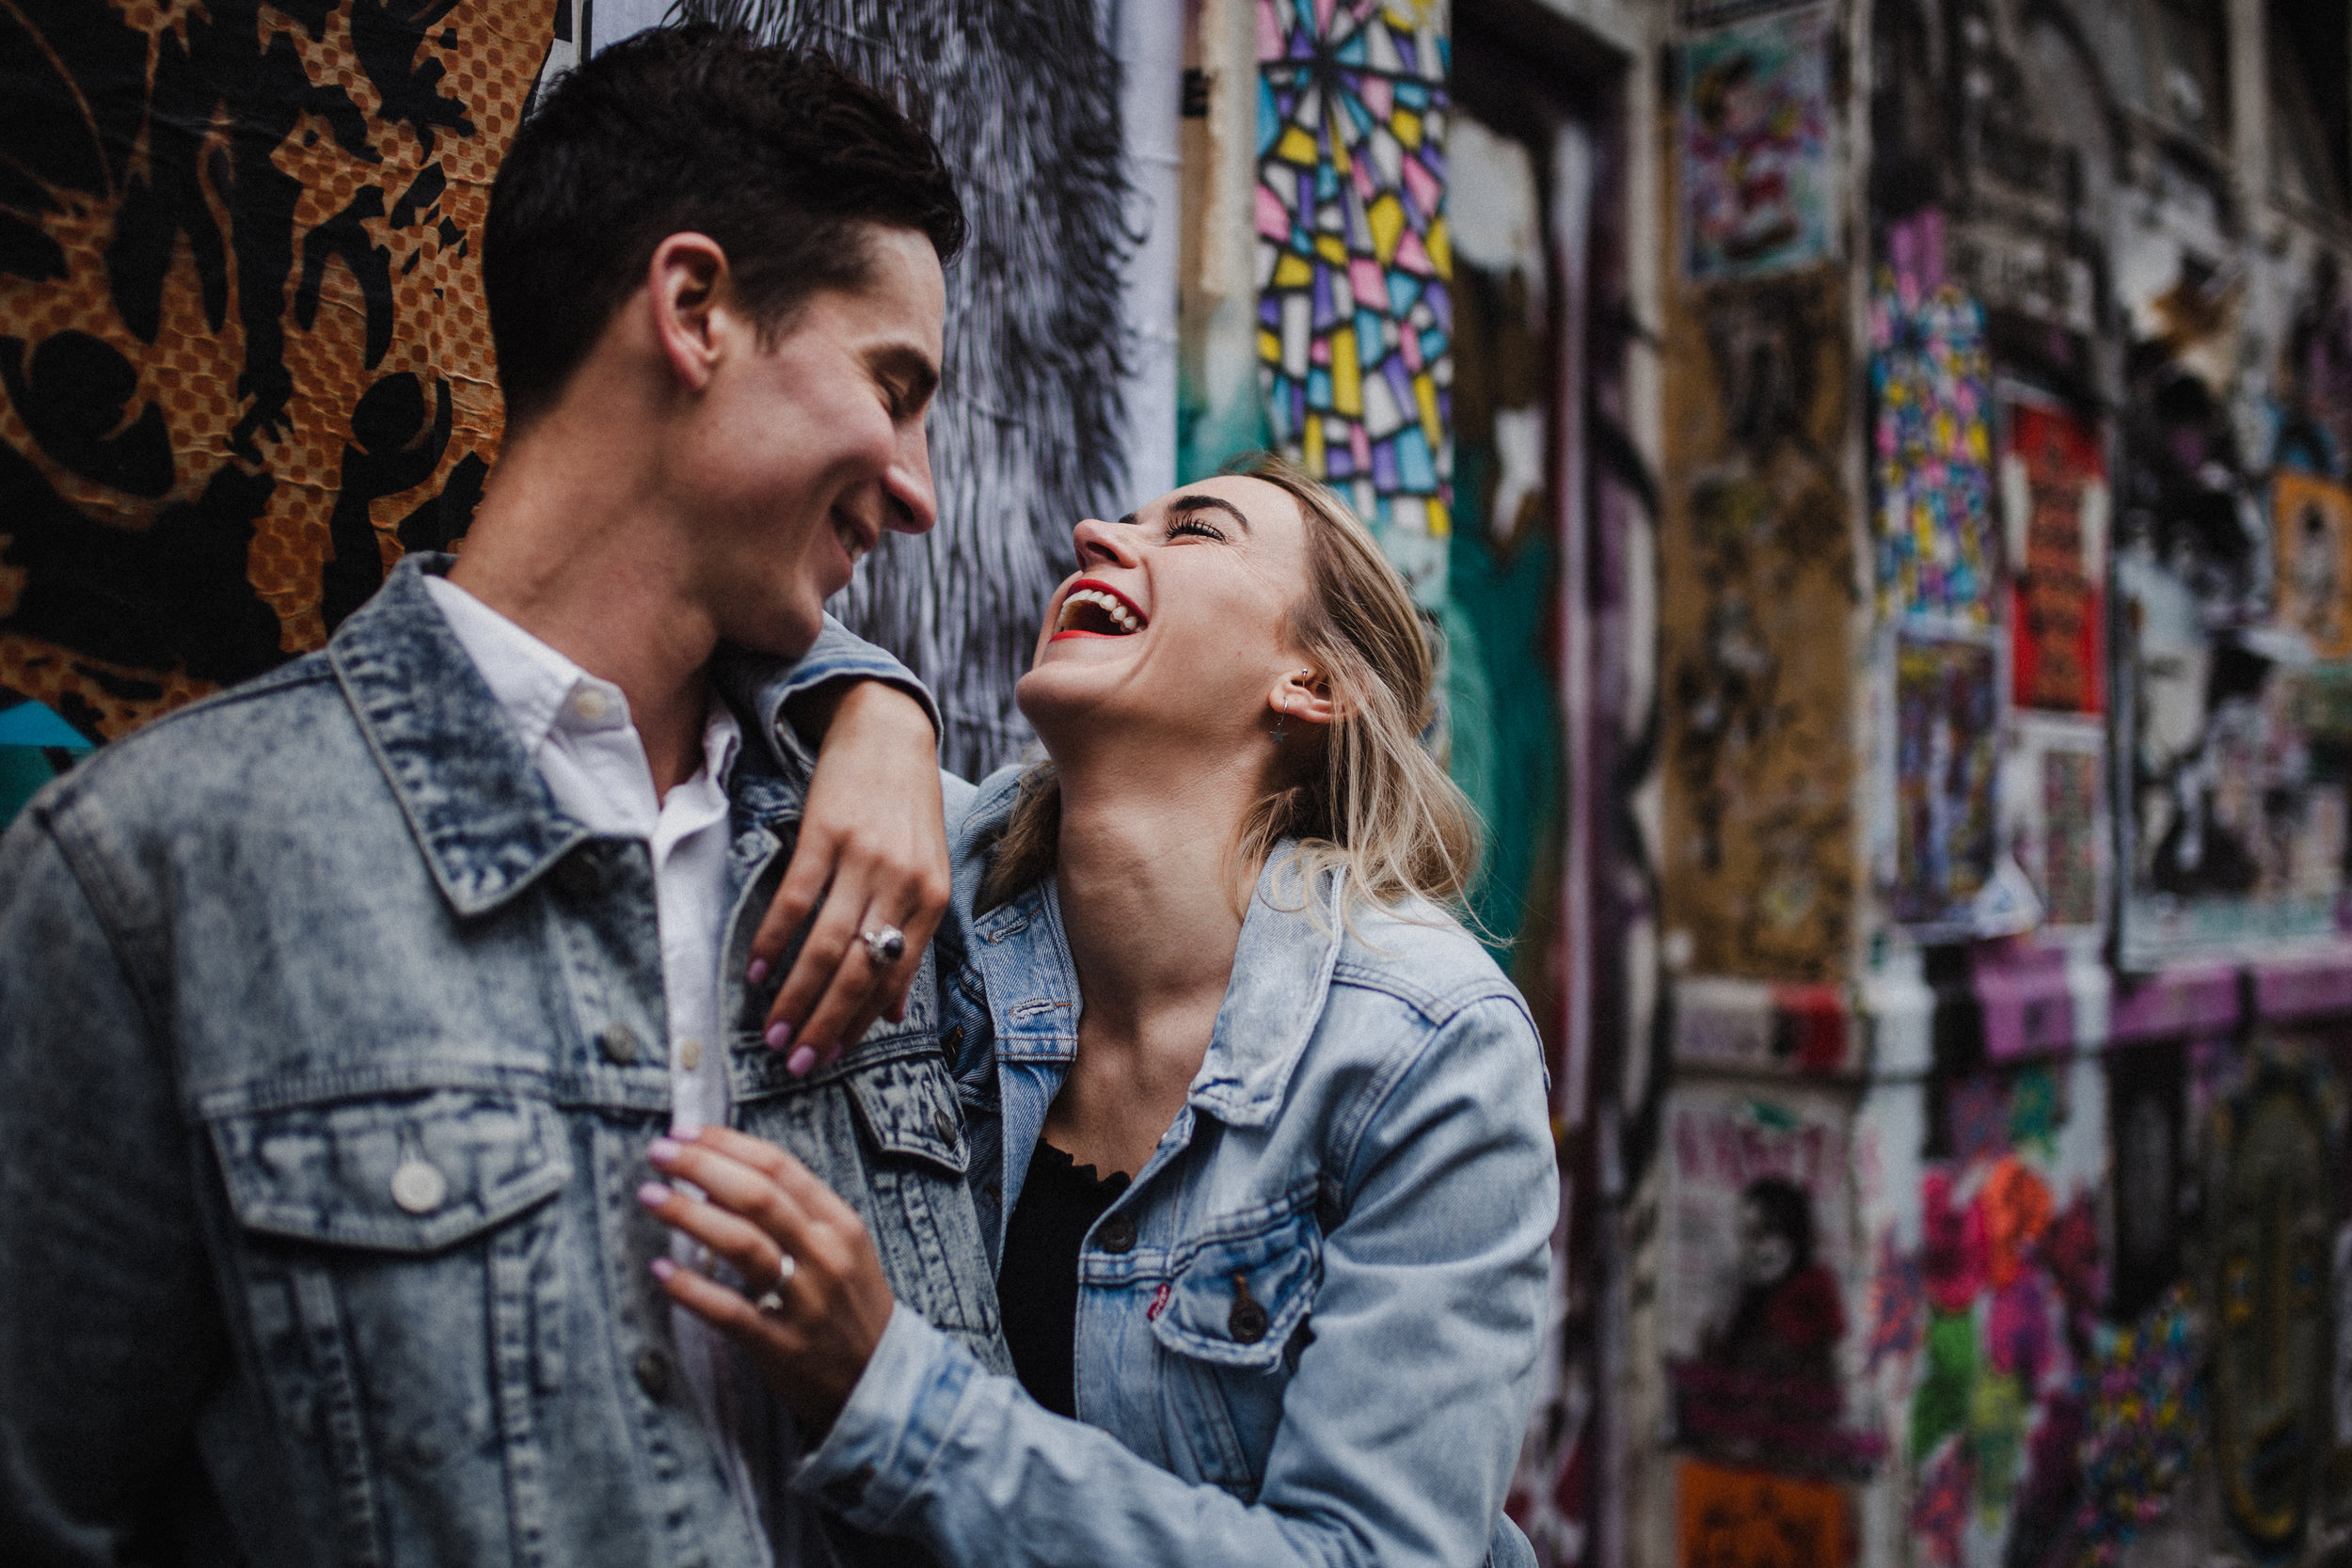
x=1354, y=320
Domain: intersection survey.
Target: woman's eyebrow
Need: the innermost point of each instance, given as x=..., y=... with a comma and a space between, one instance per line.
x=1205, y=503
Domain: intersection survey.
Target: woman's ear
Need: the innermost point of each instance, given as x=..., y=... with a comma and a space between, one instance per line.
x=1302, y=700
x=685, y=282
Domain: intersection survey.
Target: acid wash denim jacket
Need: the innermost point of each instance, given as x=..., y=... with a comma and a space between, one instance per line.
x=327, y=1065
x=1307, y=1331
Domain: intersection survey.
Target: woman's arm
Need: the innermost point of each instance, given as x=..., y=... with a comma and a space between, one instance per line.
x=1399, y=1425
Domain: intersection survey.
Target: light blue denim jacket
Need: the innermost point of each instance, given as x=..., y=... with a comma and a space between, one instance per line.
x=1307, y=1331
x=329, y=1058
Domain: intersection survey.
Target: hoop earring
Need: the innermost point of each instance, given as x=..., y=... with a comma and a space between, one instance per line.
x=1280, y=719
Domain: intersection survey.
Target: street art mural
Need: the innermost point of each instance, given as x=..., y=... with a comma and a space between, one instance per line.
x=1028, y=432
x=1758, y=181
x=242, y=371
x=1354, y=311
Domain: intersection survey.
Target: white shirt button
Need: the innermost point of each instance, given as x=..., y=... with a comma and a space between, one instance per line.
x=418, y=1186
x=690, y=1052
x=590, y=705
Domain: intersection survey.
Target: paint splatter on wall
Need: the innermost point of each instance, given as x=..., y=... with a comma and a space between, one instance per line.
x=1756, y=560
x=1354, y=261
x=242, y=372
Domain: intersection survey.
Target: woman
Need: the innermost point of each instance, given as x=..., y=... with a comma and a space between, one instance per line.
x=1204, y=953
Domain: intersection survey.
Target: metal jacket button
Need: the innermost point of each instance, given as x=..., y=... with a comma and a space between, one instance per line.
x=653, y=1373
x=418, y=1186
x=1247, y=1323
x=1117, y=1235
x=618, y=1043
x=947, y=1125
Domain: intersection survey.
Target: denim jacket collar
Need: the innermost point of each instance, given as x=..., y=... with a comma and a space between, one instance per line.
x=1262, y=1027
x=482, y=815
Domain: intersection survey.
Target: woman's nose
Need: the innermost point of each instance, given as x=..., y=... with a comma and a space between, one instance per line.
x=1102, y=543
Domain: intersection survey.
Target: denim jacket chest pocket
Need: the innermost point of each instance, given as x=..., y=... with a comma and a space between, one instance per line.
x=1231, y=1316
x=404, y=1284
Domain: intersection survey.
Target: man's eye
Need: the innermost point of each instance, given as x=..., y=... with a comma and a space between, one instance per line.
x=1193, y=525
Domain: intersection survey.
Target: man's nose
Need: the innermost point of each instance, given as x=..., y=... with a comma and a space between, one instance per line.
x=910, y=505
x=1102, y=543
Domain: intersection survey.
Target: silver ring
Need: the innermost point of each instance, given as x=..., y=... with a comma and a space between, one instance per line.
x=772, y=1301
x=885, y=946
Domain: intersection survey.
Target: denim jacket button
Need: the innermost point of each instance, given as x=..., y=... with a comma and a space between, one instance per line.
x=1117, y=1235
x=947, y=1125
x=618, y=1042
x=653, y=1373
x=1247, y=1323
x=418, y=1186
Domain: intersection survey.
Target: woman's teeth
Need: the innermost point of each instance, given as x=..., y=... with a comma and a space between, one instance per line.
x=1121, y=616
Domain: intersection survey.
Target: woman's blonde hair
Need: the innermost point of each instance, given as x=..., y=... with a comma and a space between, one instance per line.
x=1375, y=803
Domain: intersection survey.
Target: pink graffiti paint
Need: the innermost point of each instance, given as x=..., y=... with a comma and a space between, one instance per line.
x=1952, y=1262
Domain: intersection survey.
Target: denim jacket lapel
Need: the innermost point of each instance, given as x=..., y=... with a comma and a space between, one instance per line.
x=481, y=815
x=1281, y=974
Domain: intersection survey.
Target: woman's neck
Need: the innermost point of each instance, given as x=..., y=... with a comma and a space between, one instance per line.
x=1152, y=894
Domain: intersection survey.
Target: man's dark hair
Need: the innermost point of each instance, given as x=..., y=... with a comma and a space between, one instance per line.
x=777, y=154
x=1788, y=1211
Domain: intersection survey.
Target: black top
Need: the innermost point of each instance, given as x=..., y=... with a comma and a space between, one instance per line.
x=1036, y=1287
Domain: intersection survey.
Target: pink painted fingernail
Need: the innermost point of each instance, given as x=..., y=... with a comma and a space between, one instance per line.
x=653, y=1194
x=800, y=1061
x=663, y=1269
x=779, y=1034
x=662, y=1151
x=758, y=972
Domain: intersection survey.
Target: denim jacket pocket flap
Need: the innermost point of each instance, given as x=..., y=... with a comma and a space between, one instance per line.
x=411, y=1174
x=1236, y=1300
x=908, y=1104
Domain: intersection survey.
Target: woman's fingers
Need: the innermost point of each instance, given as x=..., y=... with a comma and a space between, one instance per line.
x=817, y=1205
x=756, y=1257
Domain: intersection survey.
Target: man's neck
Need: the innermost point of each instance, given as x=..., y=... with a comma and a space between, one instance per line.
x=572, y=551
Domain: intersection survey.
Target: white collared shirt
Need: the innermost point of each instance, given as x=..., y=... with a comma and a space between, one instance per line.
x=577, y=730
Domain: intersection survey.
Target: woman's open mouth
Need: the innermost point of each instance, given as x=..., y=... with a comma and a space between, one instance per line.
x=1097, y=610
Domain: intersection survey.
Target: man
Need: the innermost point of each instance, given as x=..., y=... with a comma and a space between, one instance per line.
x=336, y=1013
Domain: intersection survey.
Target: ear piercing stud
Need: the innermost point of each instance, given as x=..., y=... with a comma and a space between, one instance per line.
x=1278, y=737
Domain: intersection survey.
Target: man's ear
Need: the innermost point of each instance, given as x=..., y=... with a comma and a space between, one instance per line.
x=1303, y=697
x=686, y=281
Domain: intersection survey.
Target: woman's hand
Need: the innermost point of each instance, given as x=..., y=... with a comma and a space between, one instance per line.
x=872, y=853
x=763, y=1208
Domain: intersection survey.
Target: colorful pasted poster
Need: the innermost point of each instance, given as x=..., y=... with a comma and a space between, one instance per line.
x=1931, y=451
x=2053, y=798
x=1758, y=180
x=1754, y=1519
x=1947, y=757
x=2054, y=502
x=2311, y=520
x=1756, y=1325
x=1354, y=318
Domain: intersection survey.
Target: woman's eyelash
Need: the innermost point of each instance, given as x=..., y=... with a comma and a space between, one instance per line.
x=1193, y=525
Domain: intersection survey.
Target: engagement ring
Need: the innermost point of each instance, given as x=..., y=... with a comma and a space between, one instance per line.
x=885, y=946
x=773, y=1302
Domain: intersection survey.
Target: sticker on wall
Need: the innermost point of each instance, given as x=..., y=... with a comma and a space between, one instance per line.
x=1758, y=180
x=2053, y=798
x=2312, y=546
x=1948, y=873
x=1354, y=261
x=1734, y=1519
x=1756, y=1326
x=1932, y=449
x=2054, y=503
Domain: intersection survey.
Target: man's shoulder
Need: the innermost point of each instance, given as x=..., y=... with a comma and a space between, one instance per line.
x=269, y=725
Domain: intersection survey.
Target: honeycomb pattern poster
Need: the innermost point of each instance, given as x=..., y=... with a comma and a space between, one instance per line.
x=245, y=360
